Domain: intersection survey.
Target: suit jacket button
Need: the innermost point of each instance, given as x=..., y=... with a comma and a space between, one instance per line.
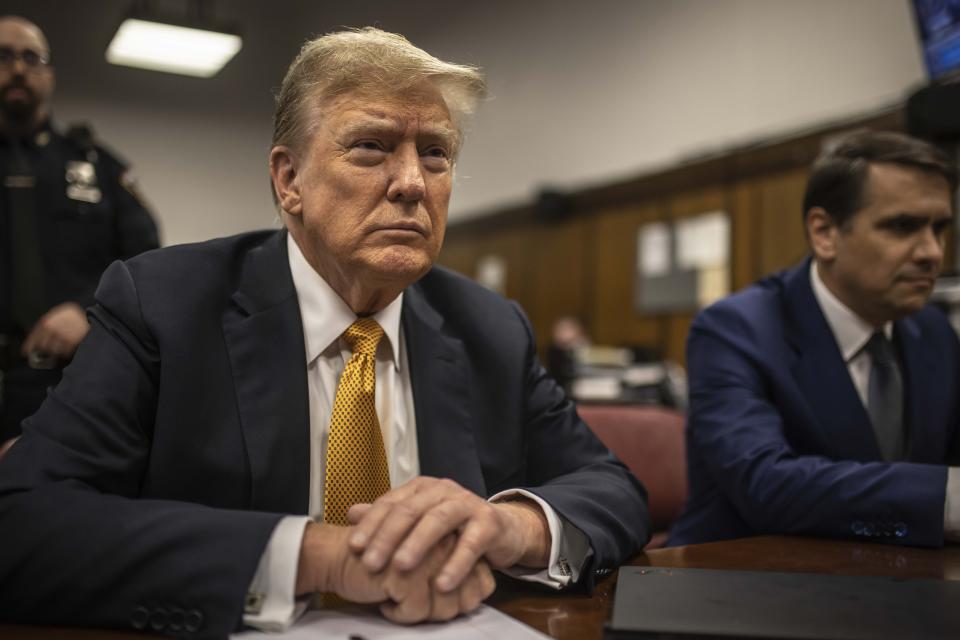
x=175, y=622
x=857, y=527
x=158, y=619
x=900, y=530
x=139, y=618
x=193, y=621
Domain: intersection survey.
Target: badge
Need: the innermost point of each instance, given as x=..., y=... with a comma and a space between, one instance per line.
x=82, y=182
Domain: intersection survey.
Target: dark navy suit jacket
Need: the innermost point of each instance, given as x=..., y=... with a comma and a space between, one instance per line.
x=149, y=483
x=780, y=442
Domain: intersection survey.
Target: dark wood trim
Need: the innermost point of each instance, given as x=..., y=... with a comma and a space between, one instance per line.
x=744, y=162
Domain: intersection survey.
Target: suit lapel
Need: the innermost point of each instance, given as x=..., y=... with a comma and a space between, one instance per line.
x=441, y=394
x=822, y=374
x=264, y=339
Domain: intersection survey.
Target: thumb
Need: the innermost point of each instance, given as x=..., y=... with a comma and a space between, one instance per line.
x=356, y=512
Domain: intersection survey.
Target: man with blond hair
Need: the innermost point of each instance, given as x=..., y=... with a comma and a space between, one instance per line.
x=294, y=415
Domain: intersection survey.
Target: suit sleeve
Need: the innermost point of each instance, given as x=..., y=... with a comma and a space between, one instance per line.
x=577, y=475
x=737, y=432
x=79, y=546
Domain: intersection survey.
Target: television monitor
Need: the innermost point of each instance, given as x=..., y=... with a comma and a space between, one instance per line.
x=939, y=25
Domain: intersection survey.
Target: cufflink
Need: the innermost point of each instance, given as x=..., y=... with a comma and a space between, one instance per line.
x=253, y=603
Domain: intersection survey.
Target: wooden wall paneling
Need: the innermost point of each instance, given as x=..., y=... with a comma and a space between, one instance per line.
x=513, y=245
x=614, y=251
x=460, y=254
x=744, y=256
x=780, y=220
x=695, y=201
x=761, y=186
x=685, y=205
x=463, y=250
x=558, y=253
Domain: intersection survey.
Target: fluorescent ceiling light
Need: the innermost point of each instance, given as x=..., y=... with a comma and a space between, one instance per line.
x=171, y=48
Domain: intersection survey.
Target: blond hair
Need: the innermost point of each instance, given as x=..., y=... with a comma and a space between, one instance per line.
x=373, y=61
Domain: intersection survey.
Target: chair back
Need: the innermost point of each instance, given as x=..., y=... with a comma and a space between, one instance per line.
x=650, y=441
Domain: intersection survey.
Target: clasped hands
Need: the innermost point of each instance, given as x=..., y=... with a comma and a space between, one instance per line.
x=423, y=551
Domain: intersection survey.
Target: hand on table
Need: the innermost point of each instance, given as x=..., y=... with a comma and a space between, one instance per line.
x=327, y=565
x=58, y=332
x=402, y=528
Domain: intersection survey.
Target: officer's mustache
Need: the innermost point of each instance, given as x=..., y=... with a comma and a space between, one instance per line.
x=17, y=83
x=20, y=110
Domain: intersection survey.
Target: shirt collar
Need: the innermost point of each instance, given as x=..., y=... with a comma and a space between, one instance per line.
x=850, y=330
x=326, y=316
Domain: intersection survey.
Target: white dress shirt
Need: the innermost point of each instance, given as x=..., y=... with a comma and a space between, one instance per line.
x=270, y=603
x=852, y=333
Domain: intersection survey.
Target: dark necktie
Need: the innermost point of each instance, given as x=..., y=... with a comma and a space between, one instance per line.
x=885, y=397
x=27, y=298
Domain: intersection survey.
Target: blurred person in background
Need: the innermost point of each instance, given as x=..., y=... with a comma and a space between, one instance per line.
x=568, y=335
x=68, y=208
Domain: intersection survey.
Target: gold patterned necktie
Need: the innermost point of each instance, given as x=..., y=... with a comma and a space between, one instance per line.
x=357, y=468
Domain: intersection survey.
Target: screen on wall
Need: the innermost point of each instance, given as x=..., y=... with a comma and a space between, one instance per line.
x=939, y=24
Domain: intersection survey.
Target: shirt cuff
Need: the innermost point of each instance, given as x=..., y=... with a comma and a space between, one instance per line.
x=270, y=604
x=951, y=509
x=569, y=547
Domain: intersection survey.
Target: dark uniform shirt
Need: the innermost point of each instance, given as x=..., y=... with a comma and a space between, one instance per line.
x=87, y=215
x=82, y=225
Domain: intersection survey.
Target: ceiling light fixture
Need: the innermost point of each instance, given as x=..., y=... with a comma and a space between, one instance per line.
x=194, y=48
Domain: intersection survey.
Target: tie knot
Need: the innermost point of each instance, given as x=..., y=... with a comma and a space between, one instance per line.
x=880, y=349
x=363, y=336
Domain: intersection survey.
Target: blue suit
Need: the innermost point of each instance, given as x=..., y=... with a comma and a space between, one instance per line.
x=145, y=489
x=778, y=441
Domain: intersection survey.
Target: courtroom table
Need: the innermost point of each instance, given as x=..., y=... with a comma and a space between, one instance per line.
x=576, y=616
x=569, y=616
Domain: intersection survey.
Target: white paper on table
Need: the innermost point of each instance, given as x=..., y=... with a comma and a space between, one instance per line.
x=486, y=623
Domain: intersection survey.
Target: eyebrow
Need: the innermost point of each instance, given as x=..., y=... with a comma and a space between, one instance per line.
x=375, y=124
x=919, y=218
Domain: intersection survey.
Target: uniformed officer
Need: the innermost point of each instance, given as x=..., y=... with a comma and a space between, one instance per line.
x=68, y=209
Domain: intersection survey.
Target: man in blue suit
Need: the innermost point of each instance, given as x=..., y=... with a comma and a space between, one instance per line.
x=824, y=399
x=316, y=410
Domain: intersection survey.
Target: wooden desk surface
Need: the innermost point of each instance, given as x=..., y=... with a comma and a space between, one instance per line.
x=568, y=616
x=578, y=617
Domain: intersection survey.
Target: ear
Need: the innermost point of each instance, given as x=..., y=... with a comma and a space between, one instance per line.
x=283, y=174
x=822, y=234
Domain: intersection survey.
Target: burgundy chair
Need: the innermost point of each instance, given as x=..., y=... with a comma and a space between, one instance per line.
x=650, y=441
